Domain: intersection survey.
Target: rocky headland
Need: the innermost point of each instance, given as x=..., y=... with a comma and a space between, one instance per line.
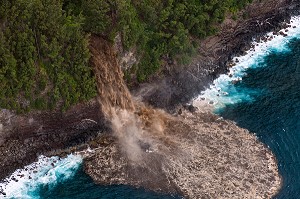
x=194, y=154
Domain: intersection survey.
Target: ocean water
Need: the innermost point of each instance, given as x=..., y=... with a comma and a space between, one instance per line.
x=224, y=92
x=266, y=101
x=274, y=113
x=261, y=93
x=63, y=178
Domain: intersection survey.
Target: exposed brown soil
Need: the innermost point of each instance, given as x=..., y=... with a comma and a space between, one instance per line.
x=197, y=155
x=112, y=89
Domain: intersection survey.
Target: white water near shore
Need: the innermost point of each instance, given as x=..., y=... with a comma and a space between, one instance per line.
x=25, y=183
x=47, y=171
x=223, y=92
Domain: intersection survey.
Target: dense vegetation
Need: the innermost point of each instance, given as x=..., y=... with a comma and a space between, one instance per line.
x=43, y=56
x=44, y=43
x=156, y=28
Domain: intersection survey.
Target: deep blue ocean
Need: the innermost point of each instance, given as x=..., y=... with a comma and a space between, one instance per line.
x=274, y=111
x=64, y=178
x=260, y=93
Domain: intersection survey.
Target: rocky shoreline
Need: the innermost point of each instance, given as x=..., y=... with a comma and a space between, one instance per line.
x=24, y=137
x=196, y=155
x=180, y=84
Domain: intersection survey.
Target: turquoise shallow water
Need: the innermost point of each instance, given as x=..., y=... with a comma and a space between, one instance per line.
x=274, y=111
x=63, y=178
x=268, y=104
x=265, y=100
x=262, y=94
x=81, y=186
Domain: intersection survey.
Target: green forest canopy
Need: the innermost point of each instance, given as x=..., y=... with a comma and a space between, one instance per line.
x=44, y=43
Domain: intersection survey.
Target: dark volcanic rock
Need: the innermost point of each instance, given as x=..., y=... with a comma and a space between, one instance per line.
x=24, y=137
x=181, y=83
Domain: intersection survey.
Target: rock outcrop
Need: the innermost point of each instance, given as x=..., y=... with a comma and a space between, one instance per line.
x=197, y=155
x=181, y=83
x=24, y=137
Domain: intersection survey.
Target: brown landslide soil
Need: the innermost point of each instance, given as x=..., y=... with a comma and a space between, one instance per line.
x=22, y=136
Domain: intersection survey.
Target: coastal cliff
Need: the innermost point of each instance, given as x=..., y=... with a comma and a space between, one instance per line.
x=180, y=84
x=24, y=137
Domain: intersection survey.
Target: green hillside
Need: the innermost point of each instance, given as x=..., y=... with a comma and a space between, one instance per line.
x=44, y=43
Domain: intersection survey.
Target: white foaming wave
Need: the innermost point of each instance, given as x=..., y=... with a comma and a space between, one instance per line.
x=47, y=171
x=223, y=92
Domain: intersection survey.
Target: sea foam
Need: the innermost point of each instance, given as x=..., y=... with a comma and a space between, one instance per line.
x=46, y=172
x=223, y=90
